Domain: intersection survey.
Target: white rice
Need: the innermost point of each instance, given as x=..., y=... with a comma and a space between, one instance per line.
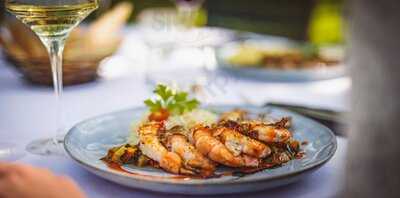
x=186, y=120
x=190, y=119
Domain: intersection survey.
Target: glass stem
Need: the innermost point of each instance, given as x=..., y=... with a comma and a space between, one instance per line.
x=55, y=47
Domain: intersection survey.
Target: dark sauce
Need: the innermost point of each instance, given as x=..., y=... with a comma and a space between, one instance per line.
x=304, y=143
x=250, y=170
x=117, y=167
x=300, y=155
x=273, y=161
x=240, y=172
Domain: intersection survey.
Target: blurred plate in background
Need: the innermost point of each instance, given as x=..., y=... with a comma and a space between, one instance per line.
x=247, y=57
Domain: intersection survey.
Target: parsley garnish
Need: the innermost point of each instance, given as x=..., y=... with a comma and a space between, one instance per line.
x=174, y=101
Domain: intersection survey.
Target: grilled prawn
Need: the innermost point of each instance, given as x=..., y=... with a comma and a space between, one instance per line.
x=192, y=158
x=211, y=147
x=269, y=133
x=239, y=144
x=151, y=146
x=234, y=115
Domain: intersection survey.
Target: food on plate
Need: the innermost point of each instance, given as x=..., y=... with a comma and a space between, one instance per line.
x=151, y=146
x=178, y=136
x=231, y=138
x=300, y=57
x=191, y=157
x=203, y=139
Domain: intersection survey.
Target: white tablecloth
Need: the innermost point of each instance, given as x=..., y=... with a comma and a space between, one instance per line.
x=27, y=113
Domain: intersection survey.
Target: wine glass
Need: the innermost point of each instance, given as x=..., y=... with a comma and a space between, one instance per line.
x=52, y=21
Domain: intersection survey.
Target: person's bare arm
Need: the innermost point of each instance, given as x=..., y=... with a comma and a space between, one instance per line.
x=17, y=180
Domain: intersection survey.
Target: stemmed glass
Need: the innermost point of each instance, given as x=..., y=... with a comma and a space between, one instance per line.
x=164, y=31
x=52, y=21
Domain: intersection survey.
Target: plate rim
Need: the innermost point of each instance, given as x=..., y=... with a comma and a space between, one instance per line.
x=299, y=171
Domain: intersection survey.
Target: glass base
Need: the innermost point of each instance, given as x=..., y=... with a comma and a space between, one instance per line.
x=10, y=151
x=46, y=147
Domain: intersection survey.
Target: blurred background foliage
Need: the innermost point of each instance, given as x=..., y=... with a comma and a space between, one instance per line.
x=317, y=21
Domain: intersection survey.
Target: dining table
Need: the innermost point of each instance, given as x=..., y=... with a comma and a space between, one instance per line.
x=27, y=111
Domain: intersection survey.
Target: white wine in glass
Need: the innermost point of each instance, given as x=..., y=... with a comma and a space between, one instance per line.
x=52, y=21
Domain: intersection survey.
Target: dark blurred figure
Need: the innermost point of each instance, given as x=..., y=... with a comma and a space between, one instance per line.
x=279, y=17
x=374, y=147
x=2, y=10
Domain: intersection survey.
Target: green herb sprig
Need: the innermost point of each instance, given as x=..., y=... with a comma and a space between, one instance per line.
x=176, y=102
